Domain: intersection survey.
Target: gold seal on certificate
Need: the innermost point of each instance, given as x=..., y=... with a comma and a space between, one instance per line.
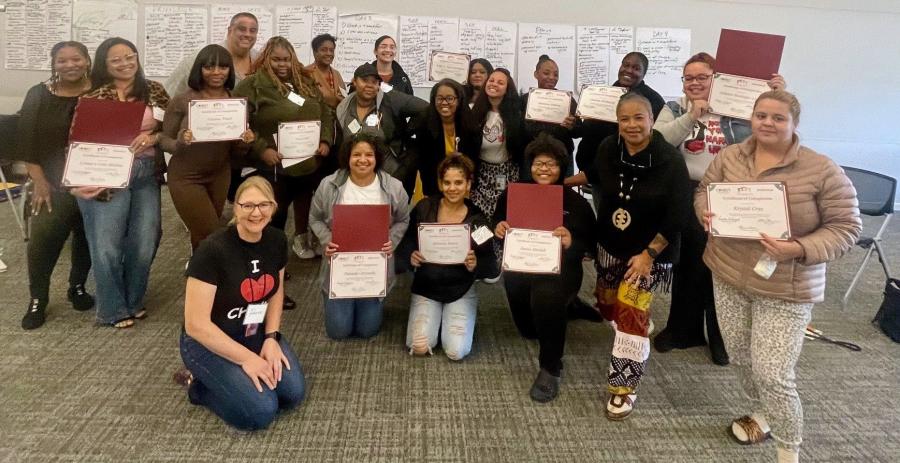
x=599, y=102
x=744, y=210
x=92, y=164
x=548, y=105
x=358, y=274
x=531, y=251
x=217, y=120
x=299, y=140
x=734, y=96
x=442, y=243
x=446, y=65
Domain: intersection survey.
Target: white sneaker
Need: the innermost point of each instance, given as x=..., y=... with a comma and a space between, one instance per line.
x=620, y=406
x=301, y=249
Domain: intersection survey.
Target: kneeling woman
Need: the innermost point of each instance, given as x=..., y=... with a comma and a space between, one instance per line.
x=444, y=300
x=359, y=181
x=538, y=302
x=237, y=363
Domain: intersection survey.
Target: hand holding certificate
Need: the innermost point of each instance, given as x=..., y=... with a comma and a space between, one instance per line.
x=299, y=140
x=531, y=251
x=548, y=105
x=358, y=274
x=217, y=120
x=599, y=102
x=746, y=210
x=443, y=243
x=734, y=96
x=91, y=164
x=445, y=65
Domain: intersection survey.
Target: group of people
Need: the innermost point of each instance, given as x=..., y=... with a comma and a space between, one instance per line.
x=646, y=230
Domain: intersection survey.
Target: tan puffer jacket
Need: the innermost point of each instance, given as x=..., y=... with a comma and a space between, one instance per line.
x=824, y=218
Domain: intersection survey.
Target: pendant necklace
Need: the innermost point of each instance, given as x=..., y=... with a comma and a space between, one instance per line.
x=621, y=218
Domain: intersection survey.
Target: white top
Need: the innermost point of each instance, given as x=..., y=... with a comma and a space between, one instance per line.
x=493, y=144
x=369, y=194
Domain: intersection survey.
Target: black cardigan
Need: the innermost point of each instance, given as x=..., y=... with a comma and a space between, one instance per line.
x=444, y=283
x=659, y=200
x=431, y=150
x=44, y=131
x=578, y=218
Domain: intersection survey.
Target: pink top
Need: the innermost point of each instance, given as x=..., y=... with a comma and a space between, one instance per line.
x=148, y=126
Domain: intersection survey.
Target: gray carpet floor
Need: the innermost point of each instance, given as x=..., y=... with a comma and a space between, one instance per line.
x=75, y=391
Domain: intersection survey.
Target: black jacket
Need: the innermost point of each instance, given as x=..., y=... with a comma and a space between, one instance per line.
x=431, y=149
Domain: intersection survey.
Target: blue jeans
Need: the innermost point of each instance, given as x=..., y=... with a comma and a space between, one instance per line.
x=455, y=321
x=123, y=235
x=224, y=388
x=352, y=317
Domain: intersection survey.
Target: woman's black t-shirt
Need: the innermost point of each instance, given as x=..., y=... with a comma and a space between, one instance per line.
x=242, y=272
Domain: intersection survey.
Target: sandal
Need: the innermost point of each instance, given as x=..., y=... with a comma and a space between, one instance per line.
x=755, y=434
x=620, y=406
x=140, y=315
x=183, y=377
x=123, y=323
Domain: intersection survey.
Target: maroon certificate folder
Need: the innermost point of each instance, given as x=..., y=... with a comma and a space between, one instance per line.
x=360, y=227
x=106, y=122
x=535, y=207
x=749, y=54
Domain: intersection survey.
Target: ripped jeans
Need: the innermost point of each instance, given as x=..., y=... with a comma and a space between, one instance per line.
x=454, y=320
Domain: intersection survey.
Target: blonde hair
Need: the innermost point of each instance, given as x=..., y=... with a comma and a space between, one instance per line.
x=785, y=97
x=260, y=184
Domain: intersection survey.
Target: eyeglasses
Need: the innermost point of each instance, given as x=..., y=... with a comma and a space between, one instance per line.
x=132, y=58
x=545, y=164
x=702, y=78
x=445, y=100
x=264, y=207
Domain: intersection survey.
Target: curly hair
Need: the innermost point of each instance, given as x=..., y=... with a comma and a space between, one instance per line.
x=301, y=79
x=362, y=137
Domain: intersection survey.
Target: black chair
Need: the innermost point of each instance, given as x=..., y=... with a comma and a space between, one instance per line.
x=876, y=193
x=8, y=129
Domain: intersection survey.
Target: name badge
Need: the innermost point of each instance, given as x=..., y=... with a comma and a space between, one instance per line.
x=481, y=234
x=159, y=113
x=386, y=87
x=765, y=266
x=500, y=182
x=256, y=313
x=372, y=120
x=296, y=99
x=354, y=126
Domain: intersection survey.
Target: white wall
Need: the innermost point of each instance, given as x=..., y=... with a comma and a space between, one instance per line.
x=841, y=58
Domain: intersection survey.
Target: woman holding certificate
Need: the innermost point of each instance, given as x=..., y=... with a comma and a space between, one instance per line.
x=547, y=75
x=236, y=362
x=499, y=115
x=538, y=302
x=123, y=226
x=441, y=245
x=700, y=135
x=445, y=128
x=360, y=181
x=285, y=102
x=765, y=288
x=200, y=168
x=43, y=133
x=643, y=187
x=479, y=70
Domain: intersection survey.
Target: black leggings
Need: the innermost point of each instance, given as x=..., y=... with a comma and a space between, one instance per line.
x=538, y=305
x=49, y=232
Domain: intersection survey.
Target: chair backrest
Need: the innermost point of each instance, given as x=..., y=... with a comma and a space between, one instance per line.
x=874, y=191
x=9, y=124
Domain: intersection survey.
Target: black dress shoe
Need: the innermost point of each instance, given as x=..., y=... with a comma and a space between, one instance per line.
x=288, y=303
x=666, y=340
x=718, y=353
x=579, y=309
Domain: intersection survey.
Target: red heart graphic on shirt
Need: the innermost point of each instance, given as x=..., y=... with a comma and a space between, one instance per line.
x=255, y=290
x=695, y=146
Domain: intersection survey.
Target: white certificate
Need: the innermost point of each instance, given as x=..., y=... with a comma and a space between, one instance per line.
x=734, y=96
x=91, y=164
x=358, y=274
x=531, y=251
x=299, y=140
x=744, y=210
x=548, y=105
x=599, y=102
x=444, y=243
x=217, y=120
x=445, y=65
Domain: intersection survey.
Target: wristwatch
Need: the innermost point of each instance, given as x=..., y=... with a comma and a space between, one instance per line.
x=276, y=335
x=652, y=252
